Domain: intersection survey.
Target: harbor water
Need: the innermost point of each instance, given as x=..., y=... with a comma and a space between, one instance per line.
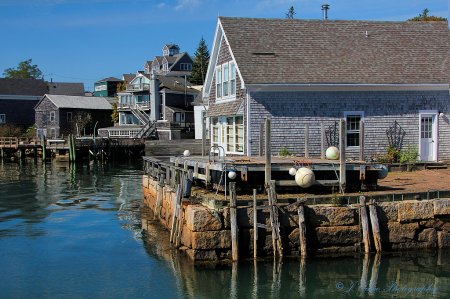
x=80, y=231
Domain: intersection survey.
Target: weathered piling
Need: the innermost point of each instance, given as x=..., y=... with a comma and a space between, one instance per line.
x=364, y=224
x=342, y=145
x=268, y=167
x=302, y=230
x=255, y=225
x=233, y=220
x=307, y=141
x=375, y=225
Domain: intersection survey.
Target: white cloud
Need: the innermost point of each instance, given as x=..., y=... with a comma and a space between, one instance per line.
x=189, y=4
x=161, y=5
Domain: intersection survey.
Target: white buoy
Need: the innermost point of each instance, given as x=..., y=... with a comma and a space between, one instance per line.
x=332, y=153
x=232, y=174
x=383, y=172
x=293, y=171
x=305, y=177
x=186, y=153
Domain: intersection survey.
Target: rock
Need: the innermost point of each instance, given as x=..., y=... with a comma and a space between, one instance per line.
x=211, y=239
x=337, y=249
x=394, y=232
x=442, y=207
x=415, y=210
x=443, y=240
x=387, y=212
x=427, y=235
x=332, y=235
x=436, y=223
x=201, y=255
x=413, y=245
x=201, y=218
x=325, y=215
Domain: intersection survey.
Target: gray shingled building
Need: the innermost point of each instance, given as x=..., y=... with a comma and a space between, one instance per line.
x=300, y=72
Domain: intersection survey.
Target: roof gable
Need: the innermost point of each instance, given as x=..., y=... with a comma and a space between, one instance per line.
x=25, y=87
x=336, y=51
x=77, y=102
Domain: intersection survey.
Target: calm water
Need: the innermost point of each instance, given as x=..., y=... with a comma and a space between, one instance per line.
x=77, y=232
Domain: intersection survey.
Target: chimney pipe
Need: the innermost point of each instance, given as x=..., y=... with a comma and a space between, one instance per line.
x=325, y=9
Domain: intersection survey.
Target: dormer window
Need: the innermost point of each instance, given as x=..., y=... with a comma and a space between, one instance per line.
x=166, y=52
x=186, y=66
x=165, y=67
x=173, y=51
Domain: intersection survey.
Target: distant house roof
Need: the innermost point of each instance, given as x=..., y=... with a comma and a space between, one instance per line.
x=78, y=102
x=128, y=77
x=176, y=109
x=296, y=51
x=72, y=89
x=175, y=84
x=198, y=99
x=110, y=79
x=26, y=87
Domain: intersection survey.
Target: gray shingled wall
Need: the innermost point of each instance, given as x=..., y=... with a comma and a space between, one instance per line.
x=290, y=111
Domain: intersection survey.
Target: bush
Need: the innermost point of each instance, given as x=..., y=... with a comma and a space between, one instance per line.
x=10, y=130
x=284, y=152
x=410, y=155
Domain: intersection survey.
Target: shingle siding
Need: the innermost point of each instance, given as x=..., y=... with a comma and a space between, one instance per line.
x=290, y=111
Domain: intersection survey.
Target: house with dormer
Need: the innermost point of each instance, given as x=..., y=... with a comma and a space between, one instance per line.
x=172, y=62
x=385, y=74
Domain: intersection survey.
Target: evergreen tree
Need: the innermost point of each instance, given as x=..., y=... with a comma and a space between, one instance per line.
x=200, y=64
x=425, y=17
x=24, y=71
x=290, y=14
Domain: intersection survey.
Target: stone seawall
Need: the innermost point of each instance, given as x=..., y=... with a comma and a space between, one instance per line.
x=206, y=234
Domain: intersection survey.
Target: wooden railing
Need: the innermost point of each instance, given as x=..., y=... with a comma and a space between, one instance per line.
x=8, y=142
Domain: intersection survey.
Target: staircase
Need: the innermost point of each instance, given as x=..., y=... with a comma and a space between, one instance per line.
x=140, y=114
x=148, y=130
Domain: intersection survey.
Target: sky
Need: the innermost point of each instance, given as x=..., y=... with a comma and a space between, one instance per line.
x=89, y=40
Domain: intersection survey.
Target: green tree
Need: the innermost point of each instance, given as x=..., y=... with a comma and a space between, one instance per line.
x=290, y=14
x=24, y=71
x=425, y=17
x=200, y=64
x=120, y=87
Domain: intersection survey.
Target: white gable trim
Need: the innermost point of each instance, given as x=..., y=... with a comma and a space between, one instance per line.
x=234, y=59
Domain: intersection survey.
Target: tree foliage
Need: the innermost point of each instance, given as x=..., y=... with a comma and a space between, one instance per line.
x=425, y=17
x=200, y=64
x=83, y=121
x=120, y=87
x=10, y=130
x=290, y=14
x=25, y=70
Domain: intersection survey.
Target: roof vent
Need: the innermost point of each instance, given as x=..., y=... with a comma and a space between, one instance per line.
x=325, y=9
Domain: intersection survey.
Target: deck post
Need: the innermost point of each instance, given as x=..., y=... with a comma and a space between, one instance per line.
x=159, y=196
x=261, y=139
x=255, y=226
x=203, y=137
x=268, y=167
x=43, y=148
x=306, y=140
x=302, y=229
x=74, y=155
x=322, y=141
x=375, y=225
x=342, y=145
x=233, y=220
x=361, y=140
x=70, y=148
x=364, y=224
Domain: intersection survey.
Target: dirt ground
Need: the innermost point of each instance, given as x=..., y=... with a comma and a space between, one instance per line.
x=421, y=180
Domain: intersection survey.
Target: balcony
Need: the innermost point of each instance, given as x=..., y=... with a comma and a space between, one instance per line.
x=128, y=106
x=138, y=87
x=174, y=125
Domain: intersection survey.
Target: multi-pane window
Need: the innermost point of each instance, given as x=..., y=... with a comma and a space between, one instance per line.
x=226, y=79
x=2, y=118
x=215, y=131
x=52, y=115
x=353, y=120
x=427, y=127
x=239, y=134
x=219, y=82
x=186, y=66
x=44, y=119
x=228, y=132
x=233, y=78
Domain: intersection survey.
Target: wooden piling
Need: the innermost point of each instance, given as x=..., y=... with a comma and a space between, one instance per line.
x=70, y=148
x=364, y=224
x=322, y=141
x=273, y=203
x=306, y=140
x=203, y=137
x=342, y=145
x=375, y=271
x=261, y=139
x=175, y=214
x=159, y=196
x=255, y=226
x=361, y=140
x=302, y=229
x=74, y=149
x=233, y=220
x=268, y=167
x=364, y=275
x=375, y=225
x=44, y=150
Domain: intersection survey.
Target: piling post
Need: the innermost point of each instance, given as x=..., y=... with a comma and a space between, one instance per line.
x=268, y=167
x=255, y=226
x=375, y=225
x=276, y=237
x=261, y=139
x=364, y=224
x=302, y=229
x=203, y=138
x=74, y=155
x=70, y=148
x=159, y=196
x=361, y=140
x=322, y=141
x=342, y=145
x=306, y=140
x=375, y=271
x=108, y=144
x=175, y=214
x=233, y=220
x=43, y=148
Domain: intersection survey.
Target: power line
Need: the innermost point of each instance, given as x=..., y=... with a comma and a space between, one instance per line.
x=52, y=74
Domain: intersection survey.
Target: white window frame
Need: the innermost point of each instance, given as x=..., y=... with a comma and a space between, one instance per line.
x=350, y=113
x=165, y=67
x=186, y=66
x=435, y=132
x=227, y=82
x=220, y=131
x=232, y=79
x=2, y=118
x=52, y=115
x=219, y=82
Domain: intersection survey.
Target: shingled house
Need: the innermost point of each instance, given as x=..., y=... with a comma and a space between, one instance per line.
x=297, y=72
x=18, y=98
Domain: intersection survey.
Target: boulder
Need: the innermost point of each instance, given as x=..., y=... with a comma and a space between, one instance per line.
x=427, y=235
x=442, y=207
x=387, y=212
x=325, y=215
x=211, y=239
x=201, y=218
x=443, y=239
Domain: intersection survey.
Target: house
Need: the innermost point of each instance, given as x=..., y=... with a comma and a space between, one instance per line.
x=159, y=100
x=172, y=62
x=57, y=115
x=69, y=89
x=18, y=98
x=106, y=87
x=393, y=76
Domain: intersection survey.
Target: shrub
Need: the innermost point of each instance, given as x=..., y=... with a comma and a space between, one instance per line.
x=284, y=152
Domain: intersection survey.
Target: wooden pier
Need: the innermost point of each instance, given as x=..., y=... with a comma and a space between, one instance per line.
x=71, y=147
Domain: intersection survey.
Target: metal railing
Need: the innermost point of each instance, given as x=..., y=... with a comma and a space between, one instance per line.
x=138, y=87
x=141, y=105
x=174, y=125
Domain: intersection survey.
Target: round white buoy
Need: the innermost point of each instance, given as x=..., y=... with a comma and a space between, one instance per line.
x=232, y=174
x=332, y=153
x=383, y=172
x=305, y=177
x=186, y=153
x=293, y=171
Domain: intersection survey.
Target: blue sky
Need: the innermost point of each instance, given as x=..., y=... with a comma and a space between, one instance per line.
x=89, y=40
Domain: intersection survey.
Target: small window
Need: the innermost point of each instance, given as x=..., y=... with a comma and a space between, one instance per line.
x=186, y=66
x=2, y=119
x=225, y=81
x=219, y=83
x=233, y=78
x=44, y=119
x=69, y=116
x=353, y=119
x=52, y=116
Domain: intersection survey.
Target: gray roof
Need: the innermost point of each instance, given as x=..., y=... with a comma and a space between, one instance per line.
x=129, y=77
x=71, y=89
x=110, y=79
x=198, y=99
x=177, y=109
x=227, y=108
x=79, y=102
x=337, y=51
x=25, y=87
x=175, y=84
